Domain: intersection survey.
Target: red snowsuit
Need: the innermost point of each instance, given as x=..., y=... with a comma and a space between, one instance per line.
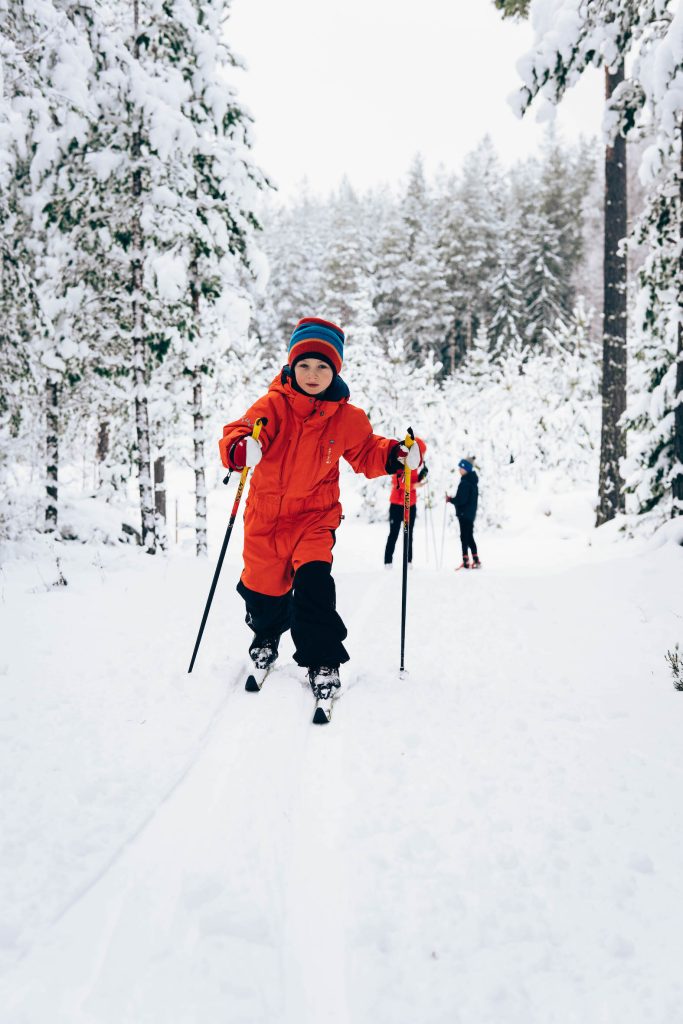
x=293, y=507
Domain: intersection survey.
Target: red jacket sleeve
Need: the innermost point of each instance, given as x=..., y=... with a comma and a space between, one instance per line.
x=265, y=406
x=366, y=453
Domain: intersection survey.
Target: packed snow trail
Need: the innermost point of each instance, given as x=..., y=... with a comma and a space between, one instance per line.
x=494, y=839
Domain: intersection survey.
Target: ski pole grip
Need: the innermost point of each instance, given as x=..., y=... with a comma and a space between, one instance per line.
x=410, y=438
x=262, y=421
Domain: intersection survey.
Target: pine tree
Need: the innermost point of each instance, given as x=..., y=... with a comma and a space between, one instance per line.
x=426, y=313
x=220, y=220
x=346, y=262
x=47, y=102
x=652, y=470
x=599, y=33
x=506, y=300
x=469, y=242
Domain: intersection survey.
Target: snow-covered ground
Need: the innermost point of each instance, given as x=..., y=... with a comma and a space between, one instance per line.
x=494, y=839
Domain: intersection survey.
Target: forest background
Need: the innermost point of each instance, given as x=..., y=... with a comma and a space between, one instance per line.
x=151, y=276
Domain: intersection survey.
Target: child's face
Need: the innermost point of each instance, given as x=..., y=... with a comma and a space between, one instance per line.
x=313, y=375
x=462, y=471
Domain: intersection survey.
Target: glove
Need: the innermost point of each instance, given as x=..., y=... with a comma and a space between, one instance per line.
x=245, y=453
x=400, y=456
x=410, y=457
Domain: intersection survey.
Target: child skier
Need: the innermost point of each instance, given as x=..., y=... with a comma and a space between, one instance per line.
x=293, y=508
x=396, y=506
x=465, y=502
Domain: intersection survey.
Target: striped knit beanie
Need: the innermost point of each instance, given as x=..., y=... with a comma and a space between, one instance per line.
x=319, y=337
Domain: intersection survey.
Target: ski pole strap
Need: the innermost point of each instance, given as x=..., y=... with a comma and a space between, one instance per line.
x=261, y=422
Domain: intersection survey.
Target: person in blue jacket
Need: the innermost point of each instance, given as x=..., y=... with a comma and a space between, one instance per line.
x=465, y=502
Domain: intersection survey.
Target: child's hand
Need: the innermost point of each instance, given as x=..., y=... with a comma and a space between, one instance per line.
x=410, y=457
x=246, y=453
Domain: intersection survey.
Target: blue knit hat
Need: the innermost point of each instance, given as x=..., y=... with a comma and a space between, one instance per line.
x=317, y=337
x=467, y=466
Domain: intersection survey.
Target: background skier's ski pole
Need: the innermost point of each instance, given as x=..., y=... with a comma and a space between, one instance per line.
x=429, y=522
x=243, y=479
x=408, y=443
x=443, y=532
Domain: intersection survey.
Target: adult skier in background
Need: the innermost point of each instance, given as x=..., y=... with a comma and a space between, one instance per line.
x=293, y=509
x=465, y=502
x=396, y=506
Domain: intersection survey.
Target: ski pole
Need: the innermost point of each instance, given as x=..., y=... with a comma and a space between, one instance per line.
x=243, y=479
x=443, y=532
x=428, y=509
x=408, y=443
x=430, y=522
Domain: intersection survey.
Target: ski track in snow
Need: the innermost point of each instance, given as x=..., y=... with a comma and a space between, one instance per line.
x=494, y=839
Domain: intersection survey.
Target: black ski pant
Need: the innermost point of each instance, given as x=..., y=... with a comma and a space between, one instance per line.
x=467, y=535
x=395, y=525
x=309, y=609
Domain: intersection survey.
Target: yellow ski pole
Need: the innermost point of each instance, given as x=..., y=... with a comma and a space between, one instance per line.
x=243, y=479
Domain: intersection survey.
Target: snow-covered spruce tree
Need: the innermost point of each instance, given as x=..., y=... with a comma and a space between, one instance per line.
x=568, y=39
x=655, y=468
x=468, y=242
x=347, y=259
x=426, y=306
x=295, y=244
x=507, y=304
x=46, y=67
x=218, y=210
x=106, y=208
x=549, y=202
x=160, y=230
x=542, y=277
x=17, y=298
x=392, y=388
x=392, y=256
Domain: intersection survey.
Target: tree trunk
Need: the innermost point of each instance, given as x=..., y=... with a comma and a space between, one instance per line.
x=613, y=439
x=199, y=476
x=52, y=454
x=102, y=441
x=160, y=501
x=139, y=347
x=677, y=482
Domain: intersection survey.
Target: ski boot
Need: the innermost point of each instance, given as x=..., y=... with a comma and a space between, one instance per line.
x=476, y=564
x=324, y=682
x=465, y=562
x=263, y=651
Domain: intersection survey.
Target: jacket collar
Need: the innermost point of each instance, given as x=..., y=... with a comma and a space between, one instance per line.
x=303, y=405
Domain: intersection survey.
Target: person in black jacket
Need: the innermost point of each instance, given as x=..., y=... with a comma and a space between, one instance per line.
x=465, y=502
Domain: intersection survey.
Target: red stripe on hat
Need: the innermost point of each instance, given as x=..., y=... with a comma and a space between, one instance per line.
x=316, y=345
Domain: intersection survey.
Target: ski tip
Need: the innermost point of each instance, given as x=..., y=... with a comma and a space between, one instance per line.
x=251, y=685
x=321, y=717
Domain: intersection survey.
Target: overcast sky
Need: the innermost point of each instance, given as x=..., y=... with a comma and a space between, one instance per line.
x=358, y=87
